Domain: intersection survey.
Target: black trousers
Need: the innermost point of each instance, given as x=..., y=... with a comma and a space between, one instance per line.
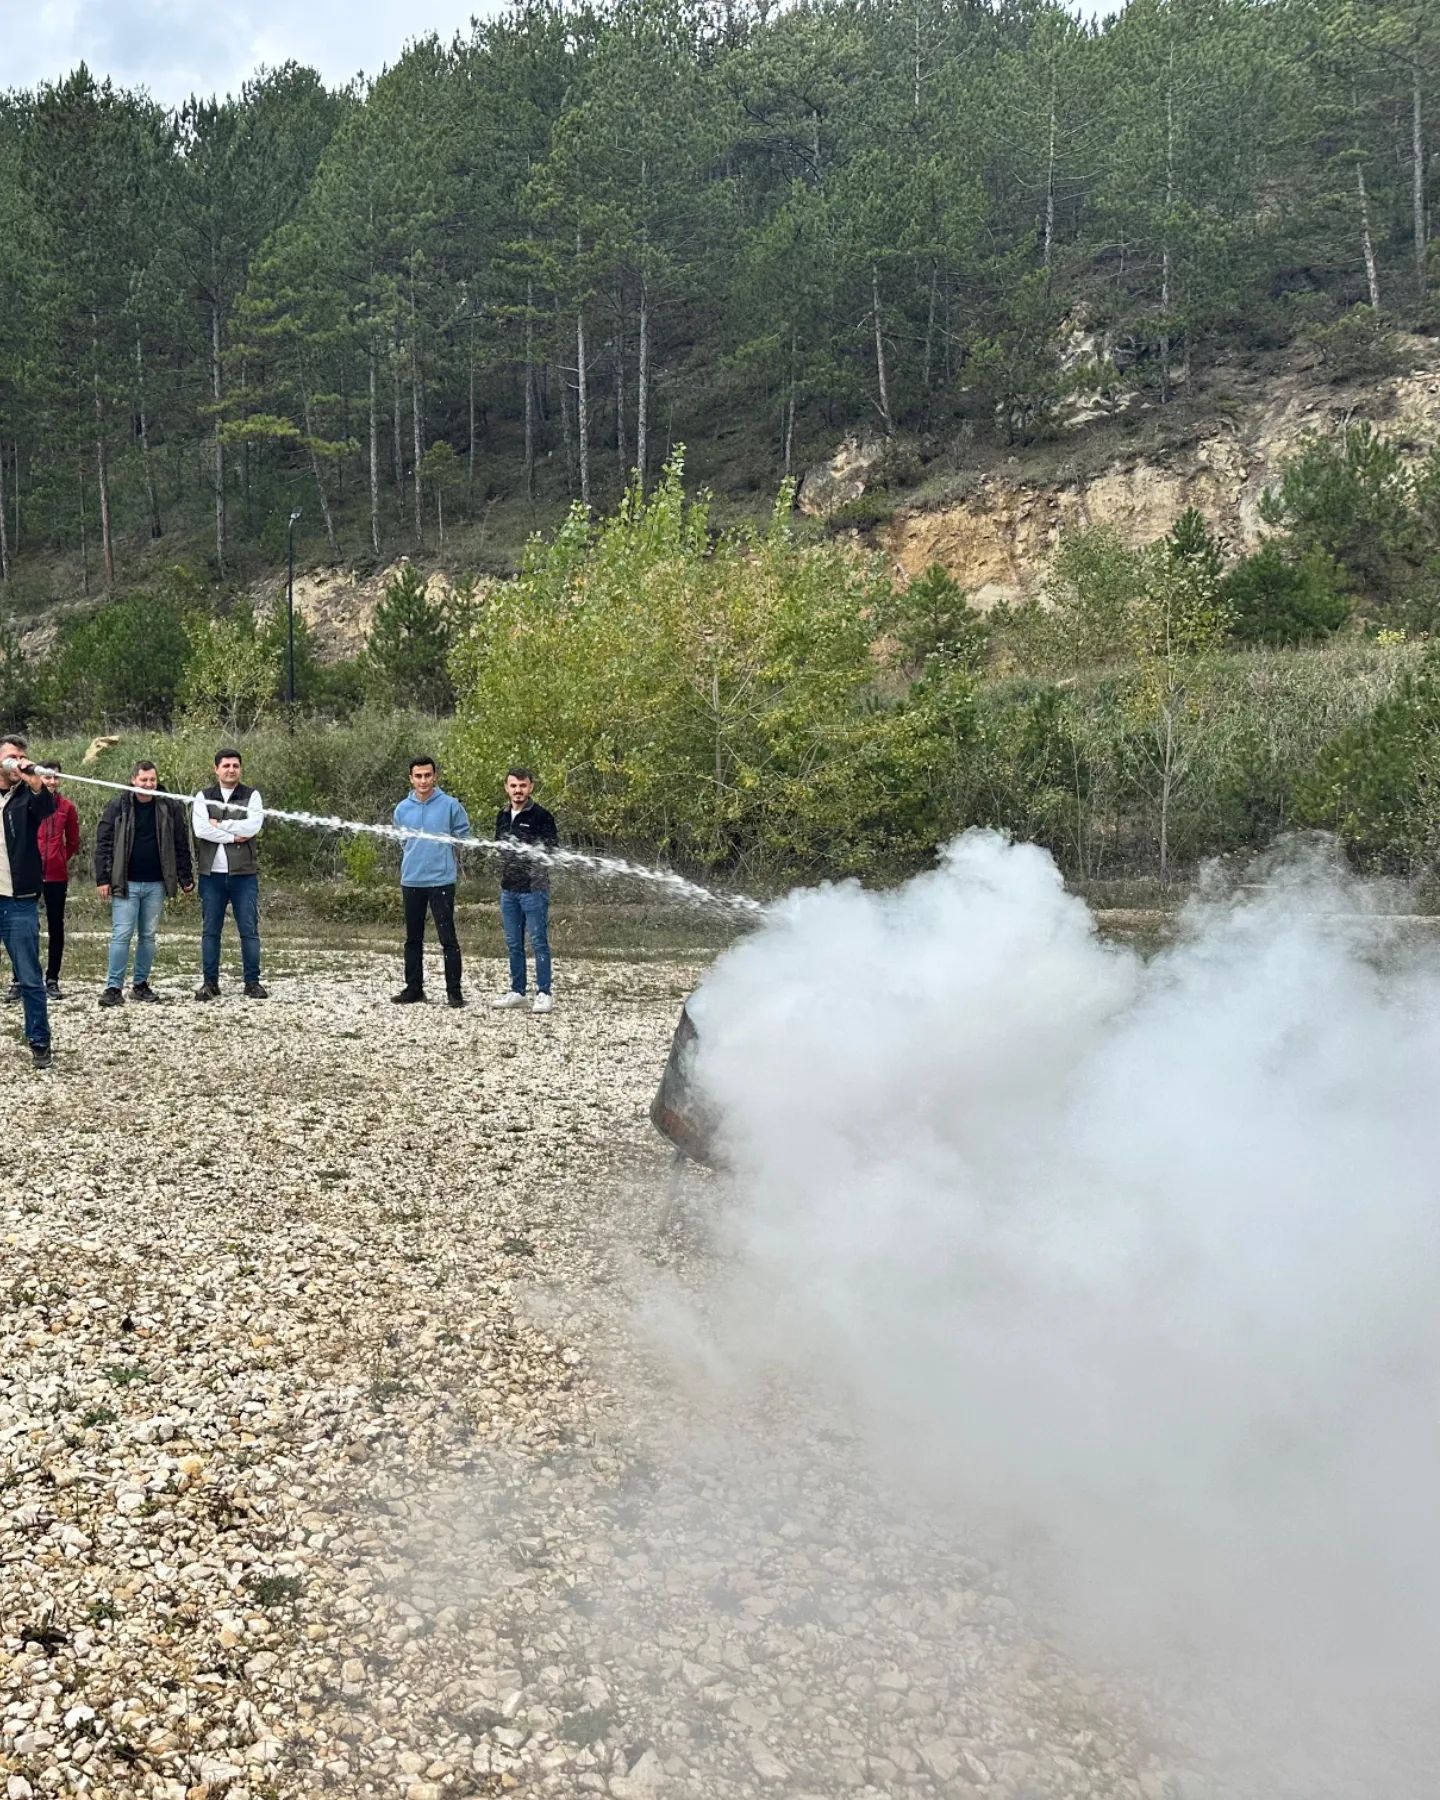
x=440, y=902
x=55, y=892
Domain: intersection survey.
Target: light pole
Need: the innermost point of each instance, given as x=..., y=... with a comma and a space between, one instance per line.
x=290, y=607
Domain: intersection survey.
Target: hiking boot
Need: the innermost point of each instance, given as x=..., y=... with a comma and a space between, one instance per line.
x=455, y=998
x=12, y=994
x=508, y=1002
x=112, y=997
x=408, y=996
x=40, y=1056
x=52, y=989
x=254, y=991
x=207, y=990
x=542, y=1003
x=142, y=990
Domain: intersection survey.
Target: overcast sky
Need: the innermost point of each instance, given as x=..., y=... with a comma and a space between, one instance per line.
x=179, y=47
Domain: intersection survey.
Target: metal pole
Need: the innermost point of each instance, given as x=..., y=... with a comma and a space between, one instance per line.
x=290, y=607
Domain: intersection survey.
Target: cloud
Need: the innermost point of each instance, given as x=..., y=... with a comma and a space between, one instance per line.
x=175, y=48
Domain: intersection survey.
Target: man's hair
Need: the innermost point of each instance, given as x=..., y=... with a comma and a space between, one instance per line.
x=225, y=755
x=423, y=762
x=520, y=774
x=53, y=765
x=142, y=764
x=17, y=738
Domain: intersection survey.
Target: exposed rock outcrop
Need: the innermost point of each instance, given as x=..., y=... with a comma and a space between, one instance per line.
x=999, y=540
x=826, y=487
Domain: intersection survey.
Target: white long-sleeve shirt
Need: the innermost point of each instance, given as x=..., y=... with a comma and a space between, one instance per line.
x=227, y=830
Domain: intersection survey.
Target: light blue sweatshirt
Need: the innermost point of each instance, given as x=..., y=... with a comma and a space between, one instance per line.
x=431, y=865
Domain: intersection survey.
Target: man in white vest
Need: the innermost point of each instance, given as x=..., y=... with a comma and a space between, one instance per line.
x=226, y=819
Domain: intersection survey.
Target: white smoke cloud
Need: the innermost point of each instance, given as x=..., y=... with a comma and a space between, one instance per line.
x=1140, y=1259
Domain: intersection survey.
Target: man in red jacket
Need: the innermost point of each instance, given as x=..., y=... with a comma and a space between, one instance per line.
x=58, y=839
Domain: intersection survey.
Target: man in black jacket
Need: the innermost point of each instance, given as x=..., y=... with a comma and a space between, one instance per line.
x=24, y=802
x=142, y=858
x=525, y=888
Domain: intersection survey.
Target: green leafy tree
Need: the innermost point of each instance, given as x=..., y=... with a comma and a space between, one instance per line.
x=716, y=702
x=233, y=671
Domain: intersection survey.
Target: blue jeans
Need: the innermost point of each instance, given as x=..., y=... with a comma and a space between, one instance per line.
x=141, y=905
x=519, y=912
x=241, y=893
x=20, y=934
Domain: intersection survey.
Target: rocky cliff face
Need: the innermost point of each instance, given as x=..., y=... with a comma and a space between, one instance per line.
x=999, y=539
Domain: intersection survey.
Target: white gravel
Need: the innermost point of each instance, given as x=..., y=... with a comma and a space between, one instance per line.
x=329, y=1460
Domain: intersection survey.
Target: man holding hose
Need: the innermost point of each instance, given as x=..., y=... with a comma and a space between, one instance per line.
x=24, y=803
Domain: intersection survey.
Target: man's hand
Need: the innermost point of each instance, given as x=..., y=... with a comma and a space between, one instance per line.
x=103, y=890
x=187, y=891
x=28, y=773
x=239, y=840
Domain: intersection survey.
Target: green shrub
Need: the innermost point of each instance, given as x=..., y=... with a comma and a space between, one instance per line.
x=124, y=664
x=1280, y=599
x=1377, y=784
x=407, y=658
x=1356, y=347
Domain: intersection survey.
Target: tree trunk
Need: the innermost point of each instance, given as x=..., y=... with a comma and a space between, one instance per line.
x=84, y=531
x=1417, y=176
x=218, y=449
x=470, y=470
x=399, y=440
x=620, y=385
x=316, y=471
x=374, y=451
x=642, y=385
x=1367, y=243
x=417, y=422
x=1165, y=248
x=582, y=408
x=566, y=418
x=4, y=529
x=1050, y=187
x=417, y=431
x=790, y=412
x=929, y=335
x=245, y=484
x=156, y=530
x=880, y=374
x=529, y=391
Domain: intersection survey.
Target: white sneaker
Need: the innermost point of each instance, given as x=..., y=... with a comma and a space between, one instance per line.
x=542, y=1003
x=508, y=1002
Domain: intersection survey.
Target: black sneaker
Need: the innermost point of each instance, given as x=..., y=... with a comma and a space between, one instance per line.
x=142, y=990
x=207, y=990
x=12, y=994
x=408, y=996
x=52, y=989
x=455, y=998
x=112, y=997
x=40, y=1056
x=254, y=991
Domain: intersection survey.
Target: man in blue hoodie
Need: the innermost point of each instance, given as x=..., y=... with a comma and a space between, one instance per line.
x=428, y=873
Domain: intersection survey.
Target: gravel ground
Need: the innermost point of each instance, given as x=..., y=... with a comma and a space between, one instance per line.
x=330, y=1461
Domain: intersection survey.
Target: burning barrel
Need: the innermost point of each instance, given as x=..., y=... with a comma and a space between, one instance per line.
x=677, y=1111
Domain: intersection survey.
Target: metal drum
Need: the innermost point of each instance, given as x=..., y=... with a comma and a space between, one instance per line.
x=677, y=1112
